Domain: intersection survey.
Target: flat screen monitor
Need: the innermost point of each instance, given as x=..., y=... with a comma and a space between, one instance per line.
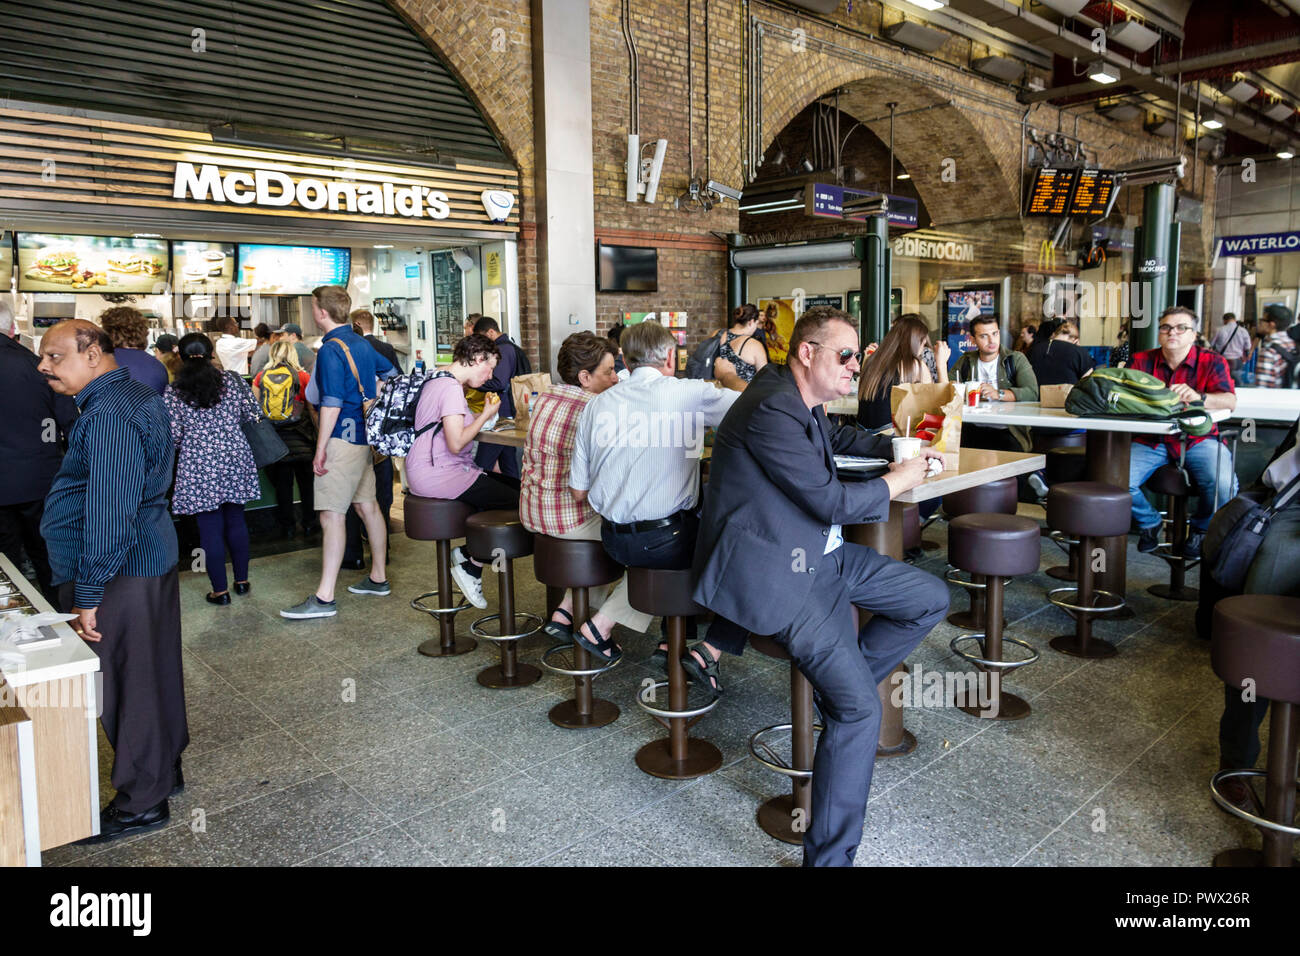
x=6, y=261
x=292, y=270
x=1094, y=194
x=202, y=267
x=99, y=264
x=627, y=269
x=1050, y=192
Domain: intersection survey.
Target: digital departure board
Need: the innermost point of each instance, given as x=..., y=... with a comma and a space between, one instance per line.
x=1049, y=195
x=1094, y=194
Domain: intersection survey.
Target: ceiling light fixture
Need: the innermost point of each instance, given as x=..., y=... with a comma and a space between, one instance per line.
x=1285, y=154
x=382, y=246
x=1099, y=72
x=1212, y=122
x=929, y=4
x=904, y=175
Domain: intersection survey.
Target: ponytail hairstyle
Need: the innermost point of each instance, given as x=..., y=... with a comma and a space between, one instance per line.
x=198, y=381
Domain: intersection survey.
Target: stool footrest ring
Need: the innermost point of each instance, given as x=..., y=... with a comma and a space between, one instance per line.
x=1164, y=550
x=951, y=577
x=418, y=603
x=757, y=743
x=1096, y=609
x=1063, y=541
x=1000, y=666
x=531, y=621
x=1236, y=811
x=562, y=651
x=670, y=714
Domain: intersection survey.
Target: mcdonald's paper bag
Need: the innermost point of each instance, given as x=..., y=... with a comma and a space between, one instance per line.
x=915, y=400
x=522, y=388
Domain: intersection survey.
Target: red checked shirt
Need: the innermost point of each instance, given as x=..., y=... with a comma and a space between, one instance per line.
x=546, y=505
x=1201, y=369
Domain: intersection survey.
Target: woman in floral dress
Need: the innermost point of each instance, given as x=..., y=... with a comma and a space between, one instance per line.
x=215, y=471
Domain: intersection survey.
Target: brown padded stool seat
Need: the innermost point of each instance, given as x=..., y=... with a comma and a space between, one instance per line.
x=1169, y=480
x=561, y=563
x=434, y=519
x=1090, y=508
x=1066, y=463
x=994, y=544
x=996, y=497
x=1256, y=638
x=662, y=593
x=491, y=532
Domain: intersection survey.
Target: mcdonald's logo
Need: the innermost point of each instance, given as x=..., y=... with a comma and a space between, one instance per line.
x=1046, y=255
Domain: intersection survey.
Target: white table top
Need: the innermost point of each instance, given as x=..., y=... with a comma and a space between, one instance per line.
x=1268, y=404
x=71, y=656
x=1035, y=416
x=975, y=466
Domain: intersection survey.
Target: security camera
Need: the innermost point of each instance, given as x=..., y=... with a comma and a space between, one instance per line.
x=1153, y=170
x=723, y=190
x=419, y=250
x=463, y=260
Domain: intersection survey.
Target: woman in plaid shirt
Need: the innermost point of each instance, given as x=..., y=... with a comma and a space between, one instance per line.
x=586, y=366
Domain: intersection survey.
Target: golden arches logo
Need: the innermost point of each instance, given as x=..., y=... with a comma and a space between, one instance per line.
x=1046, y=255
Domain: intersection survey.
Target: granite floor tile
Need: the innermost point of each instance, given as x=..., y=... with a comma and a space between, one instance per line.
x=364, y=729
x=218, y=716
x=524, y=735
x=606, y=848
x=332, y=688
x=244, y=770
x=391, y=846
x=175, y=846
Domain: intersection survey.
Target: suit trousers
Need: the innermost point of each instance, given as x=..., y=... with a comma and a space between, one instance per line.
x=844, y=666
x=144, y=693
x=20, y=531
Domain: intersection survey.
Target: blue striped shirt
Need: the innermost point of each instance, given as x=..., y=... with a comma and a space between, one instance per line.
x=106, y=513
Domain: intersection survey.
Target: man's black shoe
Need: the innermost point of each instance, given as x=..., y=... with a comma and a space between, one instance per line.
x=179, y=786
x=113, y=823
x=1148, y=539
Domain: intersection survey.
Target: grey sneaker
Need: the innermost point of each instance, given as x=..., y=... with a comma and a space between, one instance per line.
x=312, y=607
x=370, y=586
x=1040, y=487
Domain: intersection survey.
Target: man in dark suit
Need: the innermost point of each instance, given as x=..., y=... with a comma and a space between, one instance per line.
x=31, y=443
x=771, y=558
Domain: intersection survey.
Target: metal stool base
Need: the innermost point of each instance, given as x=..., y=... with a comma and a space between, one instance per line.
x=1095, y=648
x=1010, y=707
x=964, y=619
x=495, y=676
x=1061, y=572
x=906, y=747
x=565, y=714
x=1174, y=594
x=776, y=818
x=656, y=759
x=433, y=647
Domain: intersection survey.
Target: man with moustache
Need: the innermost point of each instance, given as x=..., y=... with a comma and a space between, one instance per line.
x=113, y=556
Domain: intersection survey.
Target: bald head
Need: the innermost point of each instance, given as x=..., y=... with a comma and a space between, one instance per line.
x=75, y=353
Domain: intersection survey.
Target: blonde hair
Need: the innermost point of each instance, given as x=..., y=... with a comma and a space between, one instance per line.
x=284, y=353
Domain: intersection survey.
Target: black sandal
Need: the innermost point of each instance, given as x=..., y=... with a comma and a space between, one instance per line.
x=563, y=633
x=597, y=648
x=660, y=658
x=707, y=674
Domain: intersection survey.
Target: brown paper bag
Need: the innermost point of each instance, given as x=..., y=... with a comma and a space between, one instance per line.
x=916, y=400
x=522, y=388
x=1053, y=396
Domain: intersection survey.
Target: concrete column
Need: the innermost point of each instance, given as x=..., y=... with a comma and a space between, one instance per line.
x=566, y=228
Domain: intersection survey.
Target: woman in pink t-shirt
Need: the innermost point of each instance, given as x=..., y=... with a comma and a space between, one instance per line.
x=440, y=463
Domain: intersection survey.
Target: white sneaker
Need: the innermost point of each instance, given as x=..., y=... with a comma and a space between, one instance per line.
x=1040, y=487
x=469, y=585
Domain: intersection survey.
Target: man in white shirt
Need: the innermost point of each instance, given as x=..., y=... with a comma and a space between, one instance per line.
x=1232, y=341
x=232, y=349
x=636, y=459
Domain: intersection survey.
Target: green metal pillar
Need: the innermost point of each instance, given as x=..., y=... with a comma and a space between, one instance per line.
x=735, y=280
x=1155, y=264
x=875, y=280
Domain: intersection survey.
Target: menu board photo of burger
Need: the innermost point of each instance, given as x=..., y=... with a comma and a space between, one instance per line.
x=48, y=263
x=199, y=266
x=6, y=261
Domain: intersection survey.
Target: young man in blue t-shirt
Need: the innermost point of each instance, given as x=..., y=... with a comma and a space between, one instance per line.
x=347, y=372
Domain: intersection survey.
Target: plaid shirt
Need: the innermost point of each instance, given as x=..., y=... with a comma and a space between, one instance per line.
x=1274, y=352
x=545, y=504
x=1202, y=370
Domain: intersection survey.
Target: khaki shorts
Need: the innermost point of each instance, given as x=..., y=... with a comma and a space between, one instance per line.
x=350, y=476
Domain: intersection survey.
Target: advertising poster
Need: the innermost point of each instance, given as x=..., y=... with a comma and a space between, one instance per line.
x=778, y=344
x=292, y=270
x=6, y=261
x=962, y=305
x=200, y=267
x=51, y=263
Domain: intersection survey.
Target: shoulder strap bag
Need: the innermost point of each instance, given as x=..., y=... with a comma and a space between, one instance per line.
x=366, y=403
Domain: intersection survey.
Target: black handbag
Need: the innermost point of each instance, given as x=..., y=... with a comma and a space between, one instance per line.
x=267, y=445
x=1247, y=525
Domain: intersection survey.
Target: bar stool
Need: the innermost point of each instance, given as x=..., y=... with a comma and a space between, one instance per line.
x=1256, y=637
x=576, y=565
x=996, y=546
x=787, y=818
x=667, y=594
x=496, y=538
x=440, y=520
x=1086, y=510
x=996, y=497
x=1172, y=481
x=1065, y=463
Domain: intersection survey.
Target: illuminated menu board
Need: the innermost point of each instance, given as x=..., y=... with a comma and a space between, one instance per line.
x=1050, y=193
x=1094, y=192
x=203, y=266
x=6, y=261
x=48, y=263
x=292, y=270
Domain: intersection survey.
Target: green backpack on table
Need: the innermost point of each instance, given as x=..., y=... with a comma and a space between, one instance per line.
x=1129, y=393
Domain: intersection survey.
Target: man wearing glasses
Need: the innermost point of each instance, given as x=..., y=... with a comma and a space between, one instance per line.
x=1195, y=374
x=771, y=557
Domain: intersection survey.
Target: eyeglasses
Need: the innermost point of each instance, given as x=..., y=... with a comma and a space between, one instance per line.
x=1175, y=329
x=844, y=354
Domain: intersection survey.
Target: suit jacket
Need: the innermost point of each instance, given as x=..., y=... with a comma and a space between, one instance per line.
x=37, y=420
x=771, y=498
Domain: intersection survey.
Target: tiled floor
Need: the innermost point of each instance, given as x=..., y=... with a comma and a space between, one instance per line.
x=333, y=743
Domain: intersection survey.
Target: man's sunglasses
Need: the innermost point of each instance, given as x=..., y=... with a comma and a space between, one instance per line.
x=844, y=354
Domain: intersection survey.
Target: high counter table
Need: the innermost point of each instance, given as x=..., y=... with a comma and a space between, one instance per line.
x=1109, y=442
